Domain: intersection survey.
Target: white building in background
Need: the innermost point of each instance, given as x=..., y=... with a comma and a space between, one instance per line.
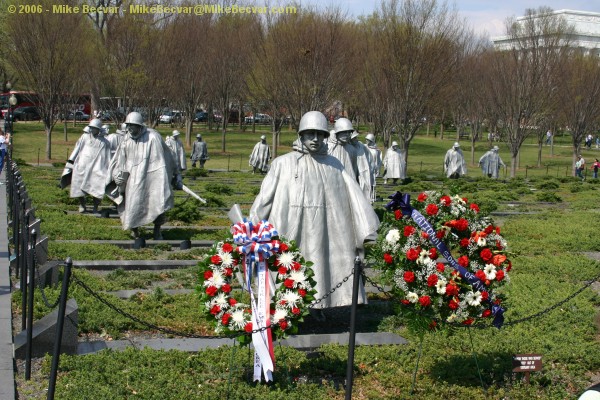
x=587, y=26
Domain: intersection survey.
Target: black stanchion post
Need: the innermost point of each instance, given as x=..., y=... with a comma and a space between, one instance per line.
x=59, y=327
x=352, y=333
x=23, y=239
x=30, y=293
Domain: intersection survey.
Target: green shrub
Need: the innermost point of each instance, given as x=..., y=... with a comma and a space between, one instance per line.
x=187, y=211
x=546, y=196
x=218, y=188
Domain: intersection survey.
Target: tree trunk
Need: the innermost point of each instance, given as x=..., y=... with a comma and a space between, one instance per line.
x=48, y=129
x=540, y=146
x=514, y=160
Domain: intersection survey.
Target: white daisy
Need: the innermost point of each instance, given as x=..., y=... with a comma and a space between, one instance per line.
x=412, y=297
x=286, y=259
x=423, y=257
x=481, y=242
x=490, y=271
x=440, y=286
x=393, y=236
x=473, y=299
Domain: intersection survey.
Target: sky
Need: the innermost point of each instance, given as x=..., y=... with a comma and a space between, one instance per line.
x=484, y=16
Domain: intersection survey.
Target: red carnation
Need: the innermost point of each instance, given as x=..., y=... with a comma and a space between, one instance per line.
x=281, y=303
x=425, y=301
x=486, y=313
x=497, y=230
x=424, y=235
x=225, y=318
x=296, y=266
x=283, y=324
x=464, y=242
x=451, y=289
x=440, y=234
x=228, y=271
x=440, y=267
x=288, y=283
x=208, y=274
x=215, y=259
x=432, y=280
x=489, y=229
x=409, y=276
x=215, y=309
x=422, y=197
x=468, y=321
x=283, y=247
x=433, y=253
x=248, y=327
x=453, y=304
x=211, y=291
x=462, y=225
x=431, y=209
x=232, y=302
x=486, y=255
x=463, y=261
x=227, y=248
x=226, y=288
x=388, y=258
x=397, y=214
x=302, y=292
x=295, y=310
x=412, y=254
x=485, y=295
x=498, y=259
x=499, y=275
x=409, y=230
x=480, y=274
x=474, y=207
x=282, y=270
x=445, y=200
x=405, y=302
x=499, y=245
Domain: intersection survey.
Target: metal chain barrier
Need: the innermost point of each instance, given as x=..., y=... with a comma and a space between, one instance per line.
x=336, y=287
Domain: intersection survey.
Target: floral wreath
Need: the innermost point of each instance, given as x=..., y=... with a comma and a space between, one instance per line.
x=432, y=291
x=294, y=289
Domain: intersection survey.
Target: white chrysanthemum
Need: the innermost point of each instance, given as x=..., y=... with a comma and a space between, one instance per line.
x=216, y=280
x=473, y=299
x=457, y=199
x=412, y=297
x=286, y=259
x=291, y=298
x=220, y=300
x=280, y=313
x=298, y=277
x=481, y=242
x=392, y=236
x=237, y=319
x=490, y=271
x=226, y=259
x=440, y=286
x=423, y=257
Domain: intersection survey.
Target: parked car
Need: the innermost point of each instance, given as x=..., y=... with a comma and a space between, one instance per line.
x=28, y=113
x=78, y=116
x=112, y=115
x=201, y=116
x=171, y=117
x=259, y=119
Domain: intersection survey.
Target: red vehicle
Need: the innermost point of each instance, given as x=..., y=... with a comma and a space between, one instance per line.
x=31, y=99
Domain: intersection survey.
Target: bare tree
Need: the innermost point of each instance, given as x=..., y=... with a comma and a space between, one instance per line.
x=43, y=57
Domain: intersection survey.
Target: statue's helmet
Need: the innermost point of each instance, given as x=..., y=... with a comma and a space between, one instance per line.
x=313, y=120
x=176, y=133
x=456, y=144
x=263, y=137
x=343, y=125
x=86, y=129
x=496, y=148
x=105, y=127
x=370, y=137
x=123, y=126
x=394, y=144
x=199, y=136
x=95, y=123
x=354, y=135
x=134, y=118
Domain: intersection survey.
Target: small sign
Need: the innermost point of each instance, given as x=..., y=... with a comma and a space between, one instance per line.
x=527, y=362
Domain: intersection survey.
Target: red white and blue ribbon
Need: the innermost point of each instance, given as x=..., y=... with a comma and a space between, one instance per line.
x=402, y=202
x=256, y=243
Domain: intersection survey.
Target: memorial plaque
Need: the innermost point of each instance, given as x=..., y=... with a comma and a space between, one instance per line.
x=527, y=363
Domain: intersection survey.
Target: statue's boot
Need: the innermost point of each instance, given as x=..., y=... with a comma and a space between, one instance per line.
x=157, y=233
x=135, y=233
x=82, y=208
x=96, y=204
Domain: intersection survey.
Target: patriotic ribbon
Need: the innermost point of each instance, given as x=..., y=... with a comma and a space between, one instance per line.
x=401, y=202
x=256, y=243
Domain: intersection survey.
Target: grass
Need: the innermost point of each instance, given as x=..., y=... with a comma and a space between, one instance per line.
x=548, y=267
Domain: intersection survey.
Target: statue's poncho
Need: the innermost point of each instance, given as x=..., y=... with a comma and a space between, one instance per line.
x=362, y=159
x=393, y=164
x=199, y=151
x=91, y=157
x=150, y=165
x=341, y=151
x=454, y=163
x=115, y=140
x=260, y=156
x=178, y=152
x=375, y=161
x=309, y=198
x=490, y=163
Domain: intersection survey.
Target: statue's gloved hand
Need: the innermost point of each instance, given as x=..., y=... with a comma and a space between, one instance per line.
x=178, y=184
x=119, y=180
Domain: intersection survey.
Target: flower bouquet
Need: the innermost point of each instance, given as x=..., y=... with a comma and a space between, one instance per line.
x=445, y=261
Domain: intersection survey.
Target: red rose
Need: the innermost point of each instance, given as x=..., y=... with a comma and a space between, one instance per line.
x=215, y=259
x=440, y=234
x=425, y=301
x=451, y=289
x=453, y=304
x=296, y=266
x=422, y=197
x=282, y=303
x=432, y=280
x=497, y=230
x=499, y=275
x=288, y=283
x=409, y=276
x=463, y=261
x=232, y=302
x=464, y=242
x=226, y=288
x=208, y=274
x=440, y=267
x=302, y=292
x=445, y=200
x=424, y=235
x=480, y=274
x=433, y=253
x=405, y=302
x=474, y=207
x=272, y=311
x=485, y=295
x=498, y=259
x=468, y=321
x=412, y=254
x=228, y=271
x=225, y=318
x=486, y=313
x=283, y=247
x=462, y=225
x=409, y=230
x=295, y=310
x=248, y=327
x=431, y=209
x=489, y=229
x=398, y=214
x=486, y=255
x=283, y=324
x=211, y=291
x=227, y=248
x=282, y=270
x=215, y=310
x=388, y=258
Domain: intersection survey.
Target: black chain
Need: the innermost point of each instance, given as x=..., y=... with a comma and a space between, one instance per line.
x=40, y=284
x=336, y=287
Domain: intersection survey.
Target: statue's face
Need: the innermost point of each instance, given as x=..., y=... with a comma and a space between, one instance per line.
x=312, y=140
x=344, y=137
x=134, y=130
x=94, y=131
